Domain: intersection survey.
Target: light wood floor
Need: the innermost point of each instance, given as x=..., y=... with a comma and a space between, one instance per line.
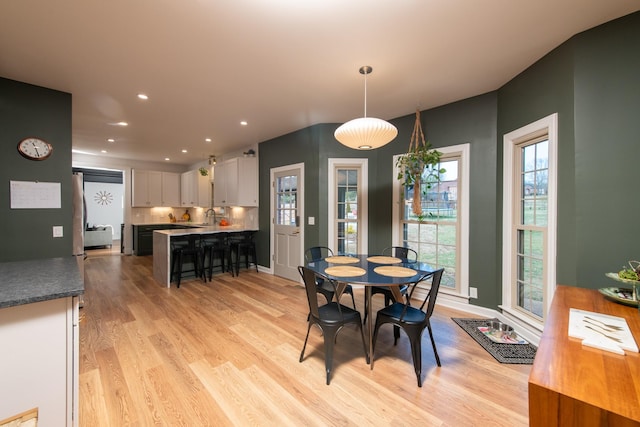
x=226, y=353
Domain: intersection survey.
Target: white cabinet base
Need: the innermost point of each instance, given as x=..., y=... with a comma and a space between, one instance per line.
x=37, y=366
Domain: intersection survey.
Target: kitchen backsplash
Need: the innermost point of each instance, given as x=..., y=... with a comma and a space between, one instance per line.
x=247, y=217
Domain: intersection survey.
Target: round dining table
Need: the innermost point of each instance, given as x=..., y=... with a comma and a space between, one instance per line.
x=369, y=271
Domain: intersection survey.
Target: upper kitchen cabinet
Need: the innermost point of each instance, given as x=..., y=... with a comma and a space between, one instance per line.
x=196, y=189
x=235, y=182
x=152, y=188
x=146, y=188
x=170, y=189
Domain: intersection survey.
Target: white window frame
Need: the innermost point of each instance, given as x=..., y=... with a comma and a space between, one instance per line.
x=461, y=295
x=549, y=126
x=363, y=206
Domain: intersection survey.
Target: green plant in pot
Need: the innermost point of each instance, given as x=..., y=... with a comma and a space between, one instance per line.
x=418, y=167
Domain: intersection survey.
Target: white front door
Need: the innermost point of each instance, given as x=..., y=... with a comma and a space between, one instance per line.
x=287, y=212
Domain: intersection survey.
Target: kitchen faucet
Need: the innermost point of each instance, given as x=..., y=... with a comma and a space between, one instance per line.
x=213, y=213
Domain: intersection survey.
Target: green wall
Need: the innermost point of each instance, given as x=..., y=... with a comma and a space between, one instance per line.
x=607, y=146
x=543, y=89
x=27, y=110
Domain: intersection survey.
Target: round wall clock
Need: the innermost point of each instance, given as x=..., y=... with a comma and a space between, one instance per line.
x=35, y=148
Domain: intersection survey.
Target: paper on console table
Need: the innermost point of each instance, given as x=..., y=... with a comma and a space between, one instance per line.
x=584, y=324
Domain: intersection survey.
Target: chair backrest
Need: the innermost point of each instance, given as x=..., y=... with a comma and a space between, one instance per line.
x=430, y=300
x=317, y=252
x=214, y=239
x=401, y=252
x=191, y=241
x=241, y=237
x=309, y=277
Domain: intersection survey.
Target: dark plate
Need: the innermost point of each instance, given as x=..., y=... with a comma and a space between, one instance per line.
x=620, y=295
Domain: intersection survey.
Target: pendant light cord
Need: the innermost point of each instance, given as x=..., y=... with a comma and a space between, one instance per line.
x=365, y=94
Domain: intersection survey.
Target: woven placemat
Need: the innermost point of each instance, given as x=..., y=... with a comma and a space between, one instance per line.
x=381, y=259
x=393, y=271
x=341, y=259
x=345, y=271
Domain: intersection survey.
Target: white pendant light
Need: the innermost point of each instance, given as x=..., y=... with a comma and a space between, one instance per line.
x=365, y=133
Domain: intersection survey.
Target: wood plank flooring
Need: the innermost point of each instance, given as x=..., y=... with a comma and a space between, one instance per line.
x=225, y=353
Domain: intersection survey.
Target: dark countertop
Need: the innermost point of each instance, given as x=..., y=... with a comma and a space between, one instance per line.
x=26, y=282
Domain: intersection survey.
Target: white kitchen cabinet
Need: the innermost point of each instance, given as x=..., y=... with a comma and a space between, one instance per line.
x=146, y=188
x=195, y=190
x=39, y=366
x=153, y=188
x=236, y=182
x=170, y=189
x=220, y=184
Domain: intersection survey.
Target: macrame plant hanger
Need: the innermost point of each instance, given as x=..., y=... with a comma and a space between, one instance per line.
x=417, y=142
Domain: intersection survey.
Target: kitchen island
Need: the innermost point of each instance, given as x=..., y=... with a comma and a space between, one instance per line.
x=39, y=336
x=162, y=246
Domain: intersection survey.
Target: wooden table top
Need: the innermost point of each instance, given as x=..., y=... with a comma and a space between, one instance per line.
x=596, y=377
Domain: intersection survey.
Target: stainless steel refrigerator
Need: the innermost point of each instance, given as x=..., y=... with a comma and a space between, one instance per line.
x=79, y=214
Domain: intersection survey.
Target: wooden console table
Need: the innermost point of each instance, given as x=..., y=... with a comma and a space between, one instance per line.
x=572, y=385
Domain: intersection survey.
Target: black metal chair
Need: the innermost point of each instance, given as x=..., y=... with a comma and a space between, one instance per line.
x=215, y=247
x=399, y=252
x=316, y=253
x=412, y=320
x=243, y=244
x=330, y=317
x=183, y=249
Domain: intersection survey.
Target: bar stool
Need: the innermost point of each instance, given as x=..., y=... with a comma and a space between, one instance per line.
x=215, y=247
x=185, y=248
x=243, y=244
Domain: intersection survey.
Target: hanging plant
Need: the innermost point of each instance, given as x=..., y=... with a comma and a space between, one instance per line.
x=418, y=166
x=204, y=171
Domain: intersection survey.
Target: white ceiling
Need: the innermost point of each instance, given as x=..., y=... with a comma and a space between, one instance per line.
x=281, y=65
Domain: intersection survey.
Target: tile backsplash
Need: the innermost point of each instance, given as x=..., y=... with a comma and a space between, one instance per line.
x=247, y=217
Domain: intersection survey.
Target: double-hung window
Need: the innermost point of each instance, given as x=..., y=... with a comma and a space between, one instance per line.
x=348, y=205
x=440, y=235
x=529, y=216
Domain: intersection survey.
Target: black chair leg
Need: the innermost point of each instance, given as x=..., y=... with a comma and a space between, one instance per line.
x=416, y=351
x=172, y=272
x=433, y=343
x=179, y=268
x=254, y=256
x=396, y=334
x=367, y=356
x=330, y=336
x=305, y=340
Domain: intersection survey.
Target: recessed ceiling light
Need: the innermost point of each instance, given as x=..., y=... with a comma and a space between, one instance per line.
x=103, y=151
x=167, y=159
x=184, y=151
x=143, y=96
x=244, y=123
x=120, y=124
x=207, y=139
x=111, y=140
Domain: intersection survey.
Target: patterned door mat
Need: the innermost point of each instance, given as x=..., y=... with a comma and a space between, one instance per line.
x=522, y=354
